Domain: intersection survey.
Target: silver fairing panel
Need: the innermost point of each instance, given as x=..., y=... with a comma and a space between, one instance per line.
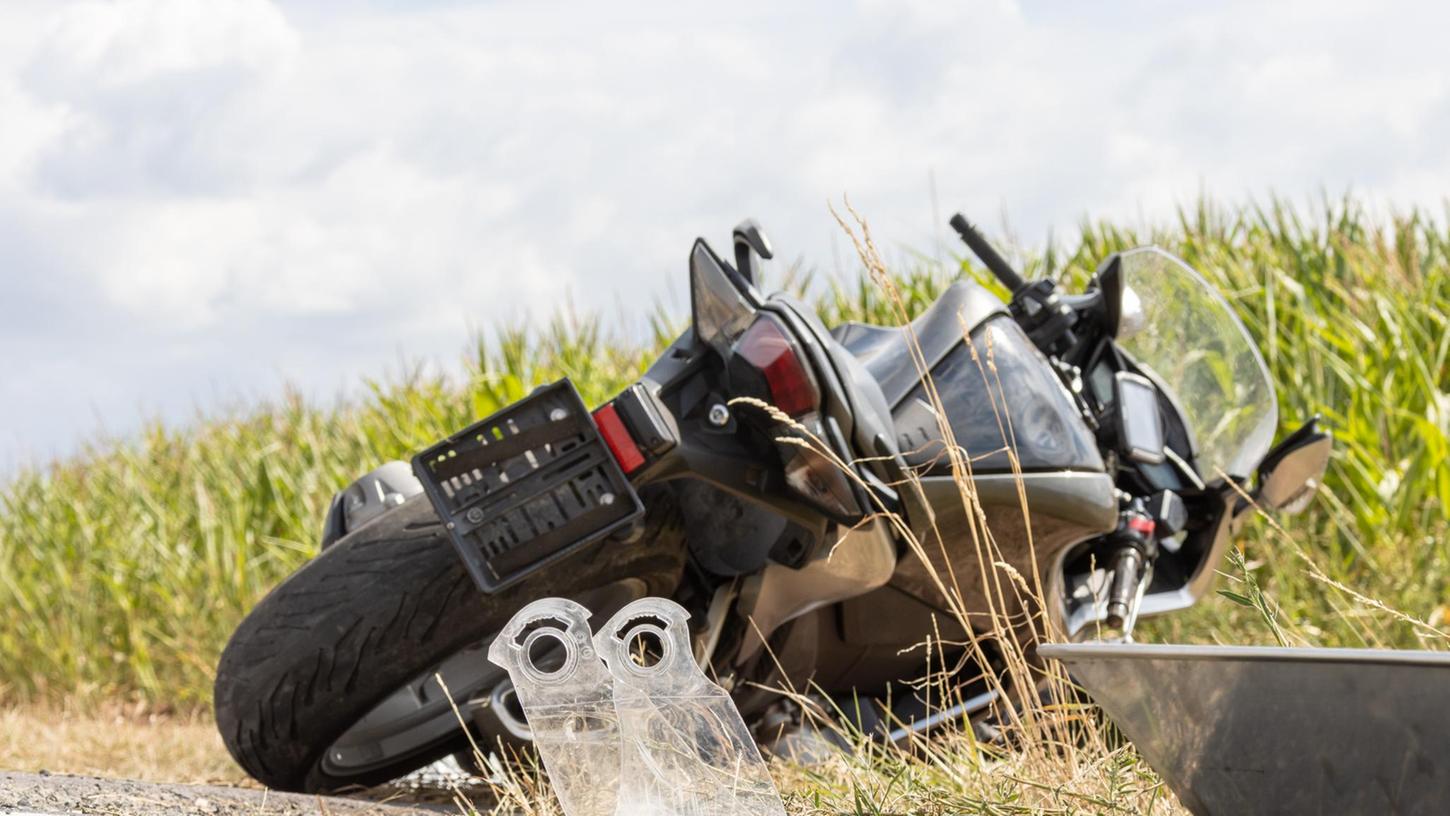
x=1063, y=510
x=1252, y=730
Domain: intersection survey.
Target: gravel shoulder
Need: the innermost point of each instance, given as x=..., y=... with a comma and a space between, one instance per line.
x=54, y=794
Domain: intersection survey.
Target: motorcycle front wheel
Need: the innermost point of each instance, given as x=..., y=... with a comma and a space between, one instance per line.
x=330, y=683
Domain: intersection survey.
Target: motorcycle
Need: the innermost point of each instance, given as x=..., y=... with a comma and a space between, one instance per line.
x=766, y=472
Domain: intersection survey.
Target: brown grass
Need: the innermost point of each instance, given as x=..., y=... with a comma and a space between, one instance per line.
x=118, y=743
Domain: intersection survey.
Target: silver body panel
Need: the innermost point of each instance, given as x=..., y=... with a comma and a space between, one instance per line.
x=1252, y=730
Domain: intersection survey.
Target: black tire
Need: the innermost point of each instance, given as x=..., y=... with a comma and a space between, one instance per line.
x=372, y=613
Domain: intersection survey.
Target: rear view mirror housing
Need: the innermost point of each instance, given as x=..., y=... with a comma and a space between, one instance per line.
x=1121, y=309
x=1291, y=473
x=1108, y=281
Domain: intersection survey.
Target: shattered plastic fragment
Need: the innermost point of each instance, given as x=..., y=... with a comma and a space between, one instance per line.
x=685, y=751
x=566, y=696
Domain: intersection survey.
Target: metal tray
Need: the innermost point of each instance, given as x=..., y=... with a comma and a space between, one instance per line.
x=1250, y=730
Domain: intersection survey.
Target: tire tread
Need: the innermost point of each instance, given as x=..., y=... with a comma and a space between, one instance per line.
x=372, y=612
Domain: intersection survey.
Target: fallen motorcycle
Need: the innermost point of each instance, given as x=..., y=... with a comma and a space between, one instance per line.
x=748, y=474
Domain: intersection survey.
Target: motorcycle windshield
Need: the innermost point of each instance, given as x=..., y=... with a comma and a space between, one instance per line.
x=1182, y=330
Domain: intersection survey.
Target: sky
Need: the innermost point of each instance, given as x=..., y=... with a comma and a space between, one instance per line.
x=204, y=202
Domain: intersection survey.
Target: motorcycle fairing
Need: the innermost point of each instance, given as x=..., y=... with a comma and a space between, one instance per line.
x=886, y=351
x=998, y=394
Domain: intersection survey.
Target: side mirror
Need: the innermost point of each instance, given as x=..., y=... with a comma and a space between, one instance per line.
x=1290, y=475
x=1108, y=280
x=1122, y=309
x=722, y=303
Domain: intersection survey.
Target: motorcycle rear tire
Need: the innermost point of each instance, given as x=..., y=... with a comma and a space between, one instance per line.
x=370, y=614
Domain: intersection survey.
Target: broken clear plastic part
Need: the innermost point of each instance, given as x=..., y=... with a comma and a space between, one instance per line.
x=566, y=695
x=685, y=751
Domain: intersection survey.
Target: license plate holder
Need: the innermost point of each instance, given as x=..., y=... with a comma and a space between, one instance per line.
x=526, y=486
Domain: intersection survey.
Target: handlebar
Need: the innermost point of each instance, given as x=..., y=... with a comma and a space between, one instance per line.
x=984, y=251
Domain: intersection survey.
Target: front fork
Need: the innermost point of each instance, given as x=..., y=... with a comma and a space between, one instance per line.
x=1131, y=549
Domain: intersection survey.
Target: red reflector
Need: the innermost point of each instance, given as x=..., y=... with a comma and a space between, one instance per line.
x=768, y=349
x=1142, y=525
x=617, y=437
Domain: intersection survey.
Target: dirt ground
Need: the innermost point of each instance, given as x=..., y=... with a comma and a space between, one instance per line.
x=52, y=762
x=115, y=743
x=55, y=794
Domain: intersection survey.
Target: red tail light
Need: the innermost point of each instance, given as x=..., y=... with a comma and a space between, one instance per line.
x=768, y=349
x=616, y=436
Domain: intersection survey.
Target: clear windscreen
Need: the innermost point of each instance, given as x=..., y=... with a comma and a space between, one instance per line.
x=1179, y=328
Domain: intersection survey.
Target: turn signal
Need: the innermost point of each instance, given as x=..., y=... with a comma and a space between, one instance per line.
x=767, y=347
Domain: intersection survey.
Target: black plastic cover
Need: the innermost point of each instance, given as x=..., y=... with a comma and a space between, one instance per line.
x=722, y=303
x=526, y=486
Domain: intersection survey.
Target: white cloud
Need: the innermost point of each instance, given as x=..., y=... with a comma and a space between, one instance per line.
x=200, y=199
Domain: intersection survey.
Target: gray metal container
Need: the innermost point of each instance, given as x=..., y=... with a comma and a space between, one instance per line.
x=1254, y=730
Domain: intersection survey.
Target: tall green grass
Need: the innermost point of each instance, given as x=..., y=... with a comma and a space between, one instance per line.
x=124, y=569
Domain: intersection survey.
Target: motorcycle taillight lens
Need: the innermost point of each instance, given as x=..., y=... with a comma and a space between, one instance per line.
x=767, y=347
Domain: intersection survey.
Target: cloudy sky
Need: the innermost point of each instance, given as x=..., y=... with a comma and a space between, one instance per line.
x=202, y=201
